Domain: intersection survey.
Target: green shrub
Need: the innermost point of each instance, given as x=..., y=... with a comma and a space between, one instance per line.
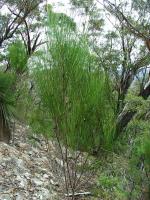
x=17, y=56
x=7, y=97
x=7, y=104
x=76, y=94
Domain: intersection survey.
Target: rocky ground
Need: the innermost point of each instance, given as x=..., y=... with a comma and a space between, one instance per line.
x=28, y=170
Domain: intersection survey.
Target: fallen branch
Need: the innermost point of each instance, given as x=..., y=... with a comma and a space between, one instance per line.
x=79, y=194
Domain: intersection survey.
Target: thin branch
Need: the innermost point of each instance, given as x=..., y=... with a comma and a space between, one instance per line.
x=122, y=18
x=12, y=28
x=35, y=42
x=28, y=38
x=79, y=194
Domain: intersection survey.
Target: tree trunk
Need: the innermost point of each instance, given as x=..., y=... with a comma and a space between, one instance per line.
x=5, y=133
x=126, y=115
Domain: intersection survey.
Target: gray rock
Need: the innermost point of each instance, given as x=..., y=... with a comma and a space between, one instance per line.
x=5, y=197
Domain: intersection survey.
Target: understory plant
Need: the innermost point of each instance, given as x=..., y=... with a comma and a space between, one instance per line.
x=77, y=95
x=7, y=103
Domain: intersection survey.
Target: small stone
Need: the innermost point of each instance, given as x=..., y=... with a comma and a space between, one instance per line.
x=45, y=176
x=37, y=182
x=54, y=183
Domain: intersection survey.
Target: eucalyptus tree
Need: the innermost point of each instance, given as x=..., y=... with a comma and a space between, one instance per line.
x=15, y=14
x=120, y=49
x=137, y=26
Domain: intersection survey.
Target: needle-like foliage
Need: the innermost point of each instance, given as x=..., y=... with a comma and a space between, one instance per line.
x=7, y=100
x=76, y=94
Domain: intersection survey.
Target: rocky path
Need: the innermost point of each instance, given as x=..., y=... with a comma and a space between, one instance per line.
x=25, y=172
x=28, y=171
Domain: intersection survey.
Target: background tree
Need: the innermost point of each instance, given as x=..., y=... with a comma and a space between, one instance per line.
x=17, y=21
x=121, y=51
x=133, y=28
